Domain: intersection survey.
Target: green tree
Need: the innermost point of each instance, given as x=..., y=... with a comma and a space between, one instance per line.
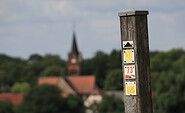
x=49, y=60
x=43, y=99
x=110, y=104
x=4, y=58
x=17, y=108
x=35, y=57
x=100, y=67
x=87, y=67
x=75, y=104
x=4, y=85
x=31, y=72
x=52, y=71
x=47, y=99
x=114, y=80
x=114, y=60
x=168, y=81
x=10, y=72
x=23, y=87
x=101, y=64
x=6, y=107
x=49, y=64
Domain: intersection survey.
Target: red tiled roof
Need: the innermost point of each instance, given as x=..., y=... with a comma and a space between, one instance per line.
x=48, y=80
x=14, y=98
x=82, y=84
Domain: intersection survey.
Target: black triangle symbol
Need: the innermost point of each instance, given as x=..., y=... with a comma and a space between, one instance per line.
x=128, y=45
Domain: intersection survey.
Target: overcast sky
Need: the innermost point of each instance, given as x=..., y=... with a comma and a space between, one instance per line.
x=46, y=26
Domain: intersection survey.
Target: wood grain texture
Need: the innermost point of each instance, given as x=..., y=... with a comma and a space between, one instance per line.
x=134, y=28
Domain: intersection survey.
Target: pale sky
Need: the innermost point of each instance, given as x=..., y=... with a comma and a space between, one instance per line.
x=46, y=26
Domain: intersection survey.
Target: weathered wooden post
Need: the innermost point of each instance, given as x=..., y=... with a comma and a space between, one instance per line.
x=135, y=61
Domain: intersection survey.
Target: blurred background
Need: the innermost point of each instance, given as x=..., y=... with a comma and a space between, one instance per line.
x=37, y=49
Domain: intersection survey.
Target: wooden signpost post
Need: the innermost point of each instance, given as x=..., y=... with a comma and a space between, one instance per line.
x=135, y=61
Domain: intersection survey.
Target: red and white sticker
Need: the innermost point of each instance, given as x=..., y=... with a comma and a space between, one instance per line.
x=129, y=72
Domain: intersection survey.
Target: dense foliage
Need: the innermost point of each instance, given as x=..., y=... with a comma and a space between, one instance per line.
x=167, y=71
x=110, y=104
x=42, y=99
x=6, y=107
x=22, y=88
x=47, y=99
x=168, y=81
x=101, y=64
x=13, y=70
x=113, y=80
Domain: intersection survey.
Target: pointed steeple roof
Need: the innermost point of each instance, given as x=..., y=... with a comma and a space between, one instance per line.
x=74, y=45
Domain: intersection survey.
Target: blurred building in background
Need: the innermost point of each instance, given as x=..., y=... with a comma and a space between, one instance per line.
x=74, y=66
x=10, y=97
x=74, y=82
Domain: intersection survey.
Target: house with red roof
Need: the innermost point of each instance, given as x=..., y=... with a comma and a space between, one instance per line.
x=11, y=97
x=81, y=85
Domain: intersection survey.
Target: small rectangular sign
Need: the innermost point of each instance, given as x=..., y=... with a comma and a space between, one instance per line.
x=129, y=72
x=128, y=44
x=130, y=88
x=128, y=56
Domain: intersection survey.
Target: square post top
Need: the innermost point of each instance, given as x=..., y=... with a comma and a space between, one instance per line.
x=132, y=12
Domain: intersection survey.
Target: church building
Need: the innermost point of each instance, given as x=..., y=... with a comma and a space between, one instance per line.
x=74, y=66
x=74, y=82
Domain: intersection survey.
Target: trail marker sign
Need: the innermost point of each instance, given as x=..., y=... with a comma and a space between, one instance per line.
x=129, y=72
x=128, y=56
x=128, y=44
x=130, y=88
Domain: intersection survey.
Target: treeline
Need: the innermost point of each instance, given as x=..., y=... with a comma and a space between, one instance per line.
x=20, y=76
x=168, y=81
x=14, y=70
x=167, y=71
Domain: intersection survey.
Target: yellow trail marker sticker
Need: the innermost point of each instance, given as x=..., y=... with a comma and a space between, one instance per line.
x=129, y=72
x=128, y=56
x=130, y=88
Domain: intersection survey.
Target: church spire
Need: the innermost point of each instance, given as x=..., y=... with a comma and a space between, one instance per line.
x=75, y=59
x=74, y=45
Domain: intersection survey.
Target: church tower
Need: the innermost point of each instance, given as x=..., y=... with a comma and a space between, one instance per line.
x=74, y=65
